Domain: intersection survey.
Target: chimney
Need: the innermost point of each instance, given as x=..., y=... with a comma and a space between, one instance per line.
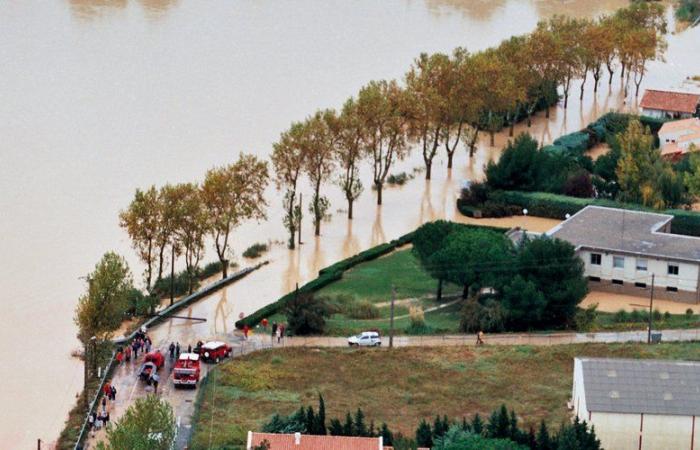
x=297, y=438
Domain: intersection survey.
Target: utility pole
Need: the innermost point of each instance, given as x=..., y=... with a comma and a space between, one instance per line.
x=172, y=275
x=391, y=324
x=38, y=444
x=651, y=304
x=300, y=216
x=85, y=374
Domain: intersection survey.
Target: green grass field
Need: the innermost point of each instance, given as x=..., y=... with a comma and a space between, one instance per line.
x=399, y=387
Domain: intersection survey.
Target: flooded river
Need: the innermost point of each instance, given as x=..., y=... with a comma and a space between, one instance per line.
x=99, y=97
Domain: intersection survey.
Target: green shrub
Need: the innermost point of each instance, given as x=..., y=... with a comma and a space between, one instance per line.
x=667, y=316
x=577, y=142
x=362, y=310
x=255, y=250
x=656, y=314
x=688, y=312
x=621, y=316
x=636, y=316
x=399, y=178
x=585, y=318
x=161, y=288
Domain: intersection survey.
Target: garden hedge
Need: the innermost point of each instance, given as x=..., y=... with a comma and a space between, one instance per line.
x=544, y=204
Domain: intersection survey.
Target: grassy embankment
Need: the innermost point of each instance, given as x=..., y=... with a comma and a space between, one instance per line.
x=399, y=387
x=372, y=282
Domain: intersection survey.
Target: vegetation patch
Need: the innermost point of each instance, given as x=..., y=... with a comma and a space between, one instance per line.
x=256, y=250
x=403, y=386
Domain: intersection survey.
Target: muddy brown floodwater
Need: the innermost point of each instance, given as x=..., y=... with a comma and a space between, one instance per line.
x=102, y=96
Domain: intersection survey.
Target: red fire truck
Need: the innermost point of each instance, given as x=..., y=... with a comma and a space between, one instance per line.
x=186, y=370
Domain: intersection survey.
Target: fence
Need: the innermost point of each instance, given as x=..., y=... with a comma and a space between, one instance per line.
x=164, y=314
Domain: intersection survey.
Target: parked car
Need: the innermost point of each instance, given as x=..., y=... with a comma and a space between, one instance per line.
x=186, y=371
x=152, y=362
x=365, y=339
x=214, y=351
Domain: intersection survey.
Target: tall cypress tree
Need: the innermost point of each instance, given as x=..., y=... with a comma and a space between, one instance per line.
x=424, y=435
x=385, y=433
x=477, y=425
x=348, y=427
x=336, y=428
x=499, y=424
x=544, y=441
x=310, y=421
x=360, y=429
x=372, y=432
x=321, y=417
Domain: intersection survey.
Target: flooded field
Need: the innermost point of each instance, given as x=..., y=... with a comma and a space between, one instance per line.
x=100, y=97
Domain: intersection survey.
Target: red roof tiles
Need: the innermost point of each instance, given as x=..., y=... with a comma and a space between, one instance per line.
x=670, y=101
x=309, y=442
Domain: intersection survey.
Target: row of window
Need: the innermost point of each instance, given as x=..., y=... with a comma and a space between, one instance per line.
x=637, y=284
x=641, y=263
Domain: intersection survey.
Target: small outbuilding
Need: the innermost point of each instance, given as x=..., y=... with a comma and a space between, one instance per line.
x=636, y=404
x=670, y=104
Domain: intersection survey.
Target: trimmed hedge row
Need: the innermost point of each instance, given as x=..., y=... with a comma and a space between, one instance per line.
x=326, y=276
x=543, y=204
x=579, y=142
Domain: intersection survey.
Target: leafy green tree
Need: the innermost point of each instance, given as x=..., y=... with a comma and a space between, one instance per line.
x=101, y=310
x=233, y=194
x=524, y=303
x=517, y=168
x=428, y=239
x=458, y=439
x=555, y=270
x=692, y=177
x=141, y=221
x=323, y=136
x=149, y=424
x=288, y=156
x=310, y=420
x=293, y=423
x=471, y=258
x=424, y=435
x=306, y=315
x=349, y=152
x=577, y=436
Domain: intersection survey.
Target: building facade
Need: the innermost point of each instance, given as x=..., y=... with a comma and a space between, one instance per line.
x=669, y=104
x=639, y=404
x=678, y=137
x=625, y=251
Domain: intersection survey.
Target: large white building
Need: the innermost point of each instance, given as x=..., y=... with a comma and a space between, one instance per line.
x=676, y=138
x=623, y=249
x=639, y=404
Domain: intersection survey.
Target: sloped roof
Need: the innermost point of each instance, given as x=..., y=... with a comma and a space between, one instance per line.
x=670, y=101
x=310, y=442
x=626, y=231
x=691, y=125
x=641, y=386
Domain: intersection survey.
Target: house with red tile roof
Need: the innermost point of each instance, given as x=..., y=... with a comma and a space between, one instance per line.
x=670, y=104
x=678, y=137
x=298, y=441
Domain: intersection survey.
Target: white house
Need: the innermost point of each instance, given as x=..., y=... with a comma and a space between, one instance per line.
x=623, y=249
x=677, y=137
x=639, y=404
x=669, y=104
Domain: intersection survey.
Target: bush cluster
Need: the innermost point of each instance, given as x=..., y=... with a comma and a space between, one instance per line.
x=255, y=250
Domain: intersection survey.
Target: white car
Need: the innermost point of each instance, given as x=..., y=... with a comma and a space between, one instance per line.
x=365, y=339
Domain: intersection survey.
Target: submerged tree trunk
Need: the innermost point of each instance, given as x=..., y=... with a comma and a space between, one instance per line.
x=465, y=291
x=611, y=72
x=439, y=290
x=224, y=268
x=379, y=193
x=161, y=262
x=172, y=275
x=350, y=202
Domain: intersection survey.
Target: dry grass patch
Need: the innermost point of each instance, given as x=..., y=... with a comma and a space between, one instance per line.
x=400, y=387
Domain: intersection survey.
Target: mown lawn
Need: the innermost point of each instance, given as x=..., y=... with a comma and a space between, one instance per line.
x=400, y=386
x=372, y=281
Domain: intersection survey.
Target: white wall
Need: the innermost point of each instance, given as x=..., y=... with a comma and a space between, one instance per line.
x=673, y=136
x=686, y=280
x=659, y=432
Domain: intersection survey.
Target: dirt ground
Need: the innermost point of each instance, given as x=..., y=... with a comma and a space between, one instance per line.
x=610, y=302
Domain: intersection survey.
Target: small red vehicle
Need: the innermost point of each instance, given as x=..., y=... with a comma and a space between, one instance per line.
x=214, y=351
x=152, y=363
x=186, y=370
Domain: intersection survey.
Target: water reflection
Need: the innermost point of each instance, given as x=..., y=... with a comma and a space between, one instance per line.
x=91, y=9
x=350, y=244
x=378, y=235
x=157, y=8
x=473, y=9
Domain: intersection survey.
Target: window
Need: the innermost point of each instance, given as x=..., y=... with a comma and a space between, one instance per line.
x=617, y=282
x=596, y=279
x=642, y=264
x=671, y=289
x=595, y=259
x=672, y=269
x=619, y=262
x=640, y=285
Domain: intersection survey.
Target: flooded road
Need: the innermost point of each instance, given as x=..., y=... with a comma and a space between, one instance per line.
x=100, y=97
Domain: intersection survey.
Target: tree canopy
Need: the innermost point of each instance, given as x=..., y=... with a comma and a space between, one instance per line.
x=148, y=424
